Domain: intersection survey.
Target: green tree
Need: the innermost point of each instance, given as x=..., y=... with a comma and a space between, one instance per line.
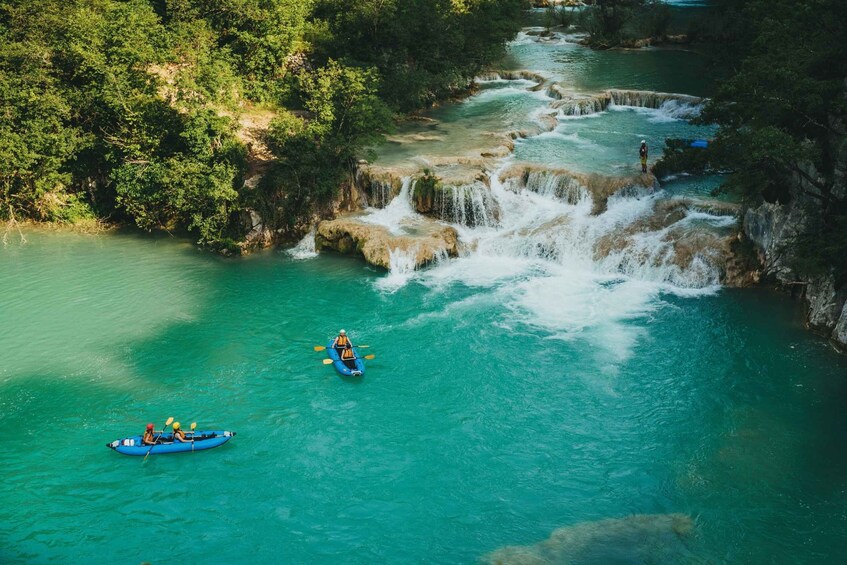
x=317, y=149
x=425, y=50
x=782, y=115
x=611, y=22
x=36, y=135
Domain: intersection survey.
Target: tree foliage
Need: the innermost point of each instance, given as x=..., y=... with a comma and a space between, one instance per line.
x=127, y=108
x=782, y=114
x=425, y=50
x=612, y=22
x=316, y=150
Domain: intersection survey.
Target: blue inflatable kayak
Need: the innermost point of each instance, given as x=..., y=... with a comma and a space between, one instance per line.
x=700, y=143
x=339, y=365
x=202, y=440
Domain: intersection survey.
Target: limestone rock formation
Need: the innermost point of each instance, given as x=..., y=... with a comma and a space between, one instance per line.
x=376, y=243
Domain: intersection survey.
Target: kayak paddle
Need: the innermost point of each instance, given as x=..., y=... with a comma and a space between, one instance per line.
x=193, y=427
x=323, y=347
x=168, y=423
x=330, y=361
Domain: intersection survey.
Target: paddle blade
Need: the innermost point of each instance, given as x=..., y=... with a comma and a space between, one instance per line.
x=328, y=361
x=193, y=426
x=371, y=356
x=169, y=422
x=319, y=347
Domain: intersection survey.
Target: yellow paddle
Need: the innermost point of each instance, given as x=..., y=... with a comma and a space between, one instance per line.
x=330, y=361
x=193, y=427
x=323, y=347
x=167, y=423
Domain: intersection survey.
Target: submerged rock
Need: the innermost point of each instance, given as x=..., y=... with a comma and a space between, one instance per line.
x=644, y=538
x=377, y=244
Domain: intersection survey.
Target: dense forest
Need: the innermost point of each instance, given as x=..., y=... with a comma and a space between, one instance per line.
x=781, y=108
x=782, y=112
x=131, y=110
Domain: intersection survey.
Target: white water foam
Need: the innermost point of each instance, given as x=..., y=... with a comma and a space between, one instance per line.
x=557, y=266
x=669, y=111
x=402, y=266
x=399, y=214
x=305, y=249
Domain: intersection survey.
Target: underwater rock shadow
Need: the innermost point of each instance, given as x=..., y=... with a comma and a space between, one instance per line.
x=642, y=538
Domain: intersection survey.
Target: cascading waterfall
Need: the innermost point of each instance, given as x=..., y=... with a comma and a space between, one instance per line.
x=305, y=249
x=553, y=185
x=398, y=213
x=547, y=221
x=675, y=106
x=468, y=205
x=402, y=267
x=381, y=193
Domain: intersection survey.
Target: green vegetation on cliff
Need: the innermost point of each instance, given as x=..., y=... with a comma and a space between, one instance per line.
x=783, y=116
x=131, y=110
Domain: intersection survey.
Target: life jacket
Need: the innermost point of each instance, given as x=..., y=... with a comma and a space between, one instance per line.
x=348, y=354
x=148, y=436
x=342, y=341
x=179, y=434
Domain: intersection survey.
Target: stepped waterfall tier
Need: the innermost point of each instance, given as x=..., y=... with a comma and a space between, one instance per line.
x=562, y=189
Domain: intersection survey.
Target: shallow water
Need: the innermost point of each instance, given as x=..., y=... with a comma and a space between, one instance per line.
x=587, y=70
x=620, y=400
x=607, y=142
x=457, y=133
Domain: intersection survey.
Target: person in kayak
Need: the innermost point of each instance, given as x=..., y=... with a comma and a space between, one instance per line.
x=341, y=343
x=149, y=437
x=643, y=154
x=349, y=357
x=179, y=435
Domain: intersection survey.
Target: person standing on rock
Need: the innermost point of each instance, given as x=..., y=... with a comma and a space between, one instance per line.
x=643, y=154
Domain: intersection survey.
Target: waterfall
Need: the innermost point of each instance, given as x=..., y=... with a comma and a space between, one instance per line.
x=398, y=212
x=306, y=248
x=650, y=99
x=549, y=220
x=673, y=106
x=468, y=205
x=402, y=266
x=552, y=185
x=381, y=193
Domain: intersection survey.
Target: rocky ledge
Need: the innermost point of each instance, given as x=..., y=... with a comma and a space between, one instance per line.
x=349, y=235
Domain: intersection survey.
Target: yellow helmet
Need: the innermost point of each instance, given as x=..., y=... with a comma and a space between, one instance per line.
x=176, y=425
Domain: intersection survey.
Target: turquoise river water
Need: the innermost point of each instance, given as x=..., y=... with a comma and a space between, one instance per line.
x=475, y=427
x=621, y=402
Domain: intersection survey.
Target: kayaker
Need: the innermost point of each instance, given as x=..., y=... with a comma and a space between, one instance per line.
x=643, y=154
x=179, y=435
x=341, y=342
x=149, y=437
x=349, y=357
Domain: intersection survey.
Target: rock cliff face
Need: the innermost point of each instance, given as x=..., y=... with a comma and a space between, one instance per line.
x=772, y=228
